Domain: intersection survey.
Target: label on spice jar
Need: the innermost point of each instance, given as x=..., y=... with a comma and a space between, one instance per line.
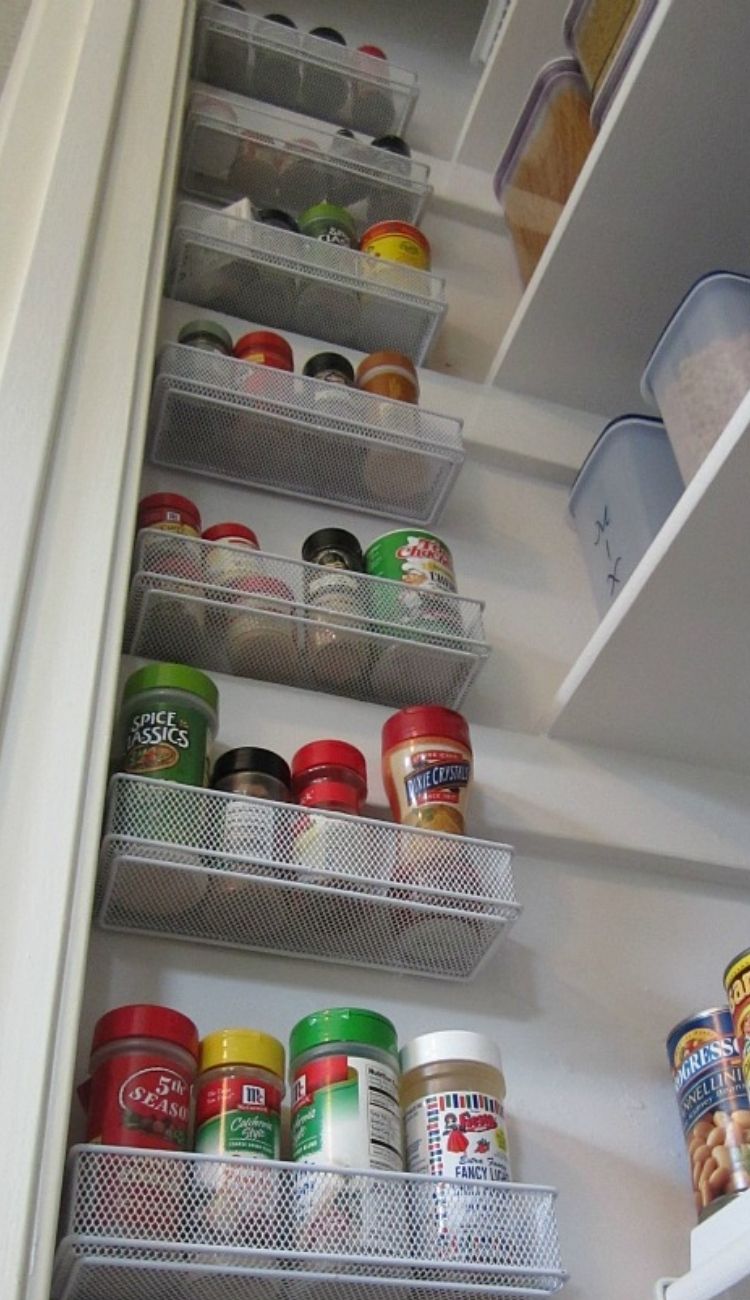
x=345, y=1111
x=435, y=784
x=238, y=1117
x=458, y=1135
x=139, y=1102
x=168, y=744
x=249, y=832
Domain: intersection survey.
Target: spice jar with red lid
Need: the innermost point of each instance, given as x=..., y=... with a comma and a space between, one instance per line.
x=265, y=348
x=427, y=767
x=167, y=549
x=142, y=1067
x=170, y=512
x=336, y=764
x=231, y=559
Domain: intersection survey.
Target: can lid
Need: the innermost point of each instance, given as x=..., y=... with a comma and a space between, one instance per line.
x=219, y=531
x=242, y=1047
x=144, y=1020
x=168, y=501
x=738, y=963
x=277, y=217
x=331, y=794
x=320, y=753
x=205, y=328
x=694, y=1022
x=176, y=677
x=329, y=212
x=335, y=539
x=329, y=361
x=450, y=1045
x=393, y=143
x=395, y=228
x=248, y=758
x=328, y=34
x=343, y=1025
x=425, y=720
x=261, y=339
x=374, y=51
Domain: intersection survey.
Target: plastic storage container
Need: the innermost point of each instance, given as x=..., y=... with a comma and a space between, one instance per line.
x=626, y=487
x=619, y=60
x=699, y=371
x=546, y=151
x=593, y=30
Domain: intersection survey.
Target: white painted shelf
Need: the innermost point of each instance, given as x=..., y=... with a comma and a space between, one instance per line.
x=668, y=670
x=661, y=200
x=719, y=1258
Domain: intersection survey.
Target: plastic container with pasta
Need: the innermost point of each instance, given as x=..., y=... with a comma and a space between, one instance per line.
x=544, y=156
x=596, y=32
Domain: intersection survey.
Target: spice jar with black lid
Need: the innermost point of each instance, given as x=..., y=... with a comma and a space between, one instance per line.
x=275, y=76
x=339, y=653
x=331, y=367
x=392, y=204
x=260, y=774
x=331, y=397
x=277, y=218
x=324, y=91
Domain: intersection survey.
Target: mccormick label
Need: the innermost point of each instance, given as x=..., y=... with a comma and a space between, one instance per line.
x=345, y=1111
x=238, y=1117
x=714, y=1107
x=458, y=1135
x=136, y=1101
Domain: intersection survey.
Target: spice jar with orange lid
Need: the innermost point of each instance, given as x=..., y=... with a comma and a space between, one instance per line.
x=389, y=374
x=397, y=241
x=427, y=767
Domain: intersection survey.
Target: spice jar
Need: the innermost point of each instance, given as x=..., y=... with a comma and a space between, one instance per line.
x=168, y=718
x=165, y=549
x=331, y=368
x=329, y=223
x=275, y=76
x=249, y=831
x=207, y=335
x=393, y=204
x=253, y=173
x=301, y=178
x=324, y=90
x=372, y=105
x=142, y=1067
x=338, y=652
x=238, y=1097
x=389, y=374
x=228, y=563
x=277, y=218
x=397, y=241
x=339, y=1060
x=170, y=513
x=265, y=348
x=427, y=767
x=330, y=761
x=261, y=630
x=452, y=1093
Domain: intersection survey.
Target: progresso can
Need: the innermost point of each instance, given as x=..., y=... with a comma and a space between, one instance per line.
x=737, y=985
x=714, y=1108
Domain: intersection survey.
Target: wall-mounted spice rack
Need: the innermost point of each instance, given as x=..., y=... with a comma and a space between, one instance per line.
x=267, y=428
x=233, y=149
x=293, y=70
x=251, y=614
x=227, y=869
x=247, y=1228
x=275, y=277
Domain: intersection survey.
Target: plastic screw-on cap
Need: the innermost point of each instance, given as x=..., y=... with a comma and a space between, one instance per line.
x=219, y=532
x=248, y=758
x=242, y=1047
x=425, y=720
x=343, y=1025
x=328, y=753
x=144, y=1020
x=450, y=1045
x=175, y=677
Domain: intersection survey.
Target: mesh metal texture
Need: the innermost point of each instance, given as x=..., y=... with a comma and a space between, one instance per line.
x=290, y=69
x=227, y=869
x=251, y=614
x=238, y=1223
x=233, y=149
x=275, y=277
x=267, y=428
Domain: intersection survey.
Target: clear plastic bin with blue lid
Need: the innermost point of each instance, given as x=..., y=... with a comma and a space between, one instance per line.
x=624, y=491
x=699, y=371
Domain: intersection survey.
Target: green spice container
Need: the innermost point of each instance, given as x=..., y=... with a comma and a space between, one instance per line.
x=422, y=565
x=344, y=1075
x=330, y=223
x=168, y=718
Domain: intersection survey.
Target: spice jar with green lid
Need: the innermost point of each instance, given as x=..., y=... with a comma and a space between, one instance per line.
x=330, y=223
x=168, y=719
x=207, y=335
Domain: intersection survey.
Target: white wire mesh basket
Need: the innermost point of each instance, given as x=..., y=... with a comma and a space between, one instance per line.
x=227, y=869
x=241, y=1228
x=234, y=149
x=250, y=614
x=267, y=428
x=275, y=277
x=293, y=70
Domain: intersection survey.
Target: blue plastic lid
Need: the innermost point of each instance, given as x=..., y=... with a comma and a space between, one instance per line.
x=643, y=422
x=693, y=292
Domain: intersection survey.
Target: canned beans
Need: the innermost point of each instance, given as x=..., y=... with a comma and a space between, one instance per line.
x=714, y=1107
